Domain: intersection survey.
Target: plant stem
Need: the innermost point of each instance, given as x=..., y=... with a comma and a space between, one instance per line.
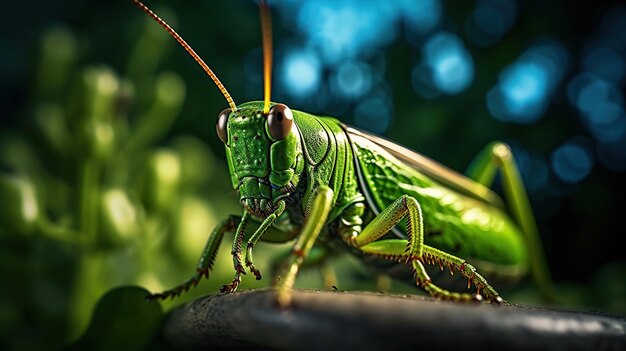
x=89, y=191
x=57, y=232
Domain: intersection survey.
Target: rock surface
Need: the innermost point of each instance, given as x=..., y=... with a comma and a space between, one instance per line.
x=322, y=320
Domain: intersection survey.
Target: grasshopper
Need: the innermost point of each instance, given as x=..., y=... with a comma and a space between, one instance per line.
x=330, y=187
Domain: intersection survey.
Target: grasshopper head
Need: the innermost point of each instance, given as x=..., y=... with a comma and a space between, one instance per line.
x=262, y=147
x=263, y=152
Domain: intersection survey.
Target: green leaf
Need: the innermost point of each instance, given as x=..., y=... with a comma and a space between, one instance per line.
x=122, y=320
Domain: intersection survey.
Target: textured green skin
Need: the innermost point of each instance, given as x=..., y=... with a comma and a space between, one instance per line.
x=453, y=222
x=323, y=154
x=320, y=152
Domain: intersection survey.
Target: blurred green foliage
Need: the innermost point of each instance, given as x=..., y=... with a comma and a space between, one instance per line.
x=93, y=197
x=122, y=319
x=109, y=180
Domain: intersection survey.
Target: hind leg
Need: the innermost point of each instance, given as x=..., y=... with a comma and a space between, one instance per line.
x=414, y=251
x=497, y=156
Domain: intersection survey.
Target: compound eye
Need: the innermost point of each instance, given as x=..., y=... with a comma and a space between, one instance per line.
x=279, y=121
x=222, y=125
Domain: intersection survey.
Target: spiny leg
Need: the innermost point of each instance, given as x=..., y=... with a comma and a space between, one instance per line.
x=257, y=235
x=236, y=253
x=405, y=206
x=315, y=221
x=394, y=249
x=206, y=259
x=411, y=250
x=424, y=280
x=498, y=156
x=468, y=271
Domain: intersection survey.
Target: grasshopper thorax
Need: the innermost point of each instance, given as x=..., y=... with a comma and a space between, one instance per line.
x=262, y=152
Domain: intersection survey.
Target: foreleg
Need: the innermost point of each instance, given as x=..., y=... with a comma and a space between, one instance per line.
x=206, y=259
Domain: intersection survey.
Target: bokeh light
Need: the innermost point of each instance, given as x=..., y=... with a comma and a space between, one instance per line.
x=420, y=16
x=374, y=113
x=490, y=21
x=608, y=123
x=447, y=65
x=338, y=61
x=605, y=63
x=597, y=95
x=300, y=73
x=597, y=91
x=344, y=29
x=588, y=92
x=524, y=88
x=571, y=162
x=352, y=79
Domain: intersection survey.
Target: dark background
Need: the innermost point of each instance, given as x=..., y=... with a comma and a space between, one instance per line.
x=580, y=218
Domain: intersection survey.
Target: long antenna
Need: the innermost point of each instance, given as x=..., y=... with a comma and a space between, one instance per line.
x=191, y=52
x=266, y=28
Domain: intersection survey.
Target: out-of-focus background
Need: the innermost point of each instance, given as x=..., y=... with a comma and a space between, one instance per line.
x=111, y=172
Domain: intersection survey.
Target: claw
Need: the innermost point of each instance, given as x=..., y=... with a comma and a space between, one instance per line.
x=203, y=272
x=254, y=270
x=228, y=288
x=239, y=269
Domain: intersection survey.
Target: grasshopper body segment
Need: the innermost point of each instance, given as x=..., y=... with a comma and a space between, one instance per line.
x=453, y=222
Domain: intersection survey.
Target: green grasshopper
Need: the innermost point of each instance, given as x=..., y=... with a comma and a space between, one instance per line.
x=330, y=187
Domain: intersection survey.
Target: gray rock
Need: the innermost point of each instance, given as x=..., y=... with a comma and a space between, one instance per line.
x=323, y=320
